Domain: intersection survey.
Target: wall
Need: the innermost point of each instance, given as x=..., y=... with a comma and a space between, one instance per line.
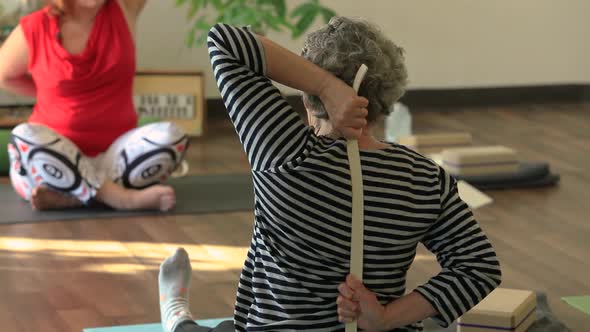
x=449, y=44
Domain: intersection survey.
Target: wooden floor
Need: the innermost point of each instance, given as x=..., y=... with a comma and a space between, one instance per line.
x=64, y=276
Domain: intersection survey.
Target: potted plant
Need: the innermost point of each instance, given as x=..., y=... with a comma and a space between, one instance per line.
x=261, y=15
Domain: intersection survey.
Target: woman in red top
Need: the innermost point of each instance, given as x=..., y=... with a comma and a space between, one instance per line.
x=77, y=57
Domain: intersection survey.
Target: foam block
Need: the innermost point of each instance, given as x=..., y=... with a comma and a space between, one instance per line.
x=433, y=143
x=502, y=310
x=472, y=161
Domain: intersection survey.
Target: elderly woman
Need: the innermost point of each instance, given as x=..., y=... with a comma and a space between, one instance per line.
x=81, y=144
x=295, y=276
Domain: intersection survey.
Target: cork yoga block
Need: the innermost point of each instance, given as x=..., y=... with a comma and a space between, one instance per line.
x=433, y=143
x=482, y=160
x=502, y=310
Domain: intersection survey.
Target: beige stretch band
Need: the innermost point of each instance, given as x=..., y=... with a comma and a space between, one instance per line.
x=356, y=179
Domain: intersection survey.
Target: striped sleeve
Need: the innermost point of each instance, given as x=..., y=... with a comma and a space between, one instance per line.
x=469, y=267
x=270, y=131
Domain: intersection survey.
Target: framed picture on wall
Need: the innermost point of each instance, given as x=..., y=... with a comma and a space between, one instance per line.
x=175, y=96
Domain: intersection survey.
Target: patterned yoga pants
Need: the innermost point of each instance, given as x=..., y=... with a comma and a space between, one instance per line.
x=139, y=158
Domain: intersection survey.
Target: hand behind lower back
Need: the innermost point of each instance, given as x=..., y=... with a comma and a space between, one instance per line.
x=357, y=303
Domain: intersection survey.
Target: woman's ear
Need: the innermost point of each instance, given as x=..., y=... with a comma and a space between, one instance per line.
x=309, y=117
x=305, y=102
x=312, y=121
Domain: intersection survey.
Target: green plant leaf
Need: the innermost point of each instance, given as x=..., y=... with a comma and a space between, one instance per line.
x=218, y=4
x=327, y=14
x=272, y=21
x=190, y=37
x=304, y=10
x=202, y=24
x=201, y=38
x=279, y=6
x=261, y=15
x=203, y=27
x=195, y=5
x=304, y=23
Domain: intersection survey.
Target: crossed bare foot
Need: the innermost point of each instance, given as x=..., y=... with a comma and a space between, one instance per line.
x=45, y=198
x=157, y=197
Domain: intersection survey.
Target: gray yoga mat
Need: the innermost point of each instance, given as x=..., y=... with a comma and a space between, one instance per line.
x=194, y=195
x=545, y=322
x=546, y=181
x=528, y=175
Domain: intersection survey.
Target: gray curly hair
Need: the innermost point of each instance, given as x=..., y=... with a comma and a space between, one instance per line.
x=341, y=46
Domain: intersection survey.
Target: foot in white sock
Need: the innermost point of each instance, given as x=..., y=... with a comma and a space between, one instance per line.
x=174, y=283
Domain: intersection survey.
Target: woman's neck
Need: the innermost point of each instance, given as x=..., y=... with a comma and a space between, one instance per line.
x=83, y=13
x=366, y=140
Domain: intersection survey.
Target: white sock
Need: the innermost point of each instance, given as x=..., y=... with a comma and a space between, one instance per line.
x=174, y=283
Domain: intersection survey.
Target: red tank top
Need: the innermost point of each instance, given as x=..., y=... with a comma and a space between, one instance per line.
x=86, y=97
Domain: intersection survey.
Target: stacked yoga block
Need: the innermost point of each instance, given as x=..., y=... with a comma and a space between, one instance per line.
x=482, y=160
x=484, y=167
x=455, y=152
x=502, y=310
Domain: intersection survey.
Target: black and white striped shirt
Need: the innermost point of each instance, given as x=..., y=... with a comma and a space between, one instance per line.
x=301, y=240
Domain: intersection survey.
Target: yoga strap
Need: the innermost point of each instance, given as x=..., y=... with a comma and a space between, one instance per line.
x=356, y=178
